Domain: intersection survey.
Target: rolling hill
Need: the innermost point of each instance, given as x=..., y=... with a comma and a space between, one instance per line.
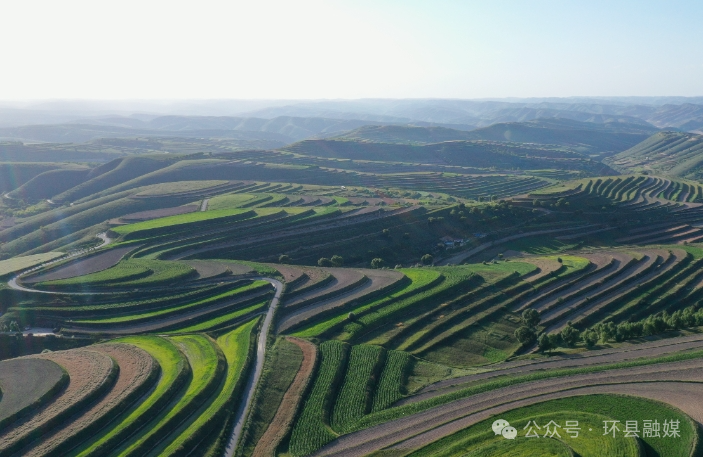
x=585, y=137
x=671, y=153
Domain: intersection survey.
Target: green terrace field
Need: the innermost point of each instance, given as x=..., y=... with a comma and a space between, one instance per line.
x=387, y=291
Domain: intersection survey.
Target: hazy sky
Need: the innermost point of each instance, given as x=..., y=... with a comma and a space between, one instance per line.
x=349, y=49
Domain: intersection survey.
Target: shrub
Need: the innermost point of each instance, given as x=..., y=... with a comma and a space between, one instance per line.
x=284, y=259
x=324, y=262
x=337, y=260
x=377, y=262
x=427, y=259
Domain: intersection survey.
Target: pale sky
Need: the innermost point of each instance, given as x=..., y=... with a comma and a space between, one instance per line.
x=308, y=49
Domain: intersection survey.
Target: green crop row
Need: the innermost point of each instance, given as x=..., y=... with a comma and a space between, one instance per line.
x=129, y=307
x=238, y=347
x=352, y=402
x=175, y=372
x=311, y=430
x=130, y=273
x=229, y=295
x=147, y=227
x=412, y=408
x=420, y=279
x=390, y=385
x=220, y=321
x=207, y=366
x=123, y=271
x=419, y=300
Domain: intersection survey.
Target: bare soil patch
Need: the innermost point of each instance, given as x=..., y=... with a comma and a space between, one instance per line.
x=208, y=269
x=136, y=368
x=378, y=279
x=27, y=384
x=285, y=414
x=343, y=277
x=157, y=213
x=84, y=266
x=290, y=273
x=89, y=371
x=545, y=267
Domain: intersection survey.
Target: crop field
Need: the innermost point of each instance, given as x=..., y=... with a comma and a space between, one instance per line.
x=346, y=296
x=27, y=384
x=128, y=273
x=21, y=263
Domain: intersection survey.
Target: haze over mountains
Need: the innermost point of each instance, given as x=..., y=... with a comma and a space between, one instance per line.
x=296, y=120
x=511, y=134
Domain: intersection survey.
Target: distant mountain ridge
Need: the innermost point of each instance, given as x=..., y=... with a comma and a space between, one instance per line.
x=586, y=137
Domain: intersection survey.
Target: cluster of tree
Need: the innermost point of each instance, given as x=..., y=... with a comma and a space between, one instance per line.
x=335, y=261
x=527, y=333
x=13, y=326
x=651, y=325
x=654, y=324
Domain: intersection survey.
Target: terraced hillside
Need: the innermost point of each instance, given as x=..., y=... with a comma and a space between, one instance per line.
x=675, y=154
x=298, y=303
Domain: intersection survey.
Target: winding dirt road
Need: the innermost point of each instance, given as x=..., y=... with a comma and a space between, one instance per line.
x=254, y=377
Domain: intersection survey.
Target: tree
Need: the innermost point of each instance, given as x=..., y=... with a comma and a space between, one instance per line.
x=559, y=260
x=525, y=335
x=337, y=260
x=324, y=262
x=377, y=262
x=427, y=259
x=284, y=259
x=607, y=331
x=555, y=340
x=570, y=335
x=590, y=337
x=544, y=343
x=531, y=317
x=14, y=326
x=351, y=316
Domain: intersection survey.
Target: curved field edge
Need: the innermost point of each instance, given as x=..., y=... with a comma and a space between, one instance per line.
x=207, y=365
x=38, y=384
x=615, y=407
x=175, y=372
x=238, y=347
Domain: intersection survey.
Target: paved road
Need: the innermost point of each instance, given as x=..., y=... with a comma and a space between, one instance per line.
x=203, y=205
x=253, y=380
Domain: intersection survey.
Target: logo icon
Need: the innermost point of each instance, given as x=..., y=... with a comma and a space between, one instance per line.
x=502, y=427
